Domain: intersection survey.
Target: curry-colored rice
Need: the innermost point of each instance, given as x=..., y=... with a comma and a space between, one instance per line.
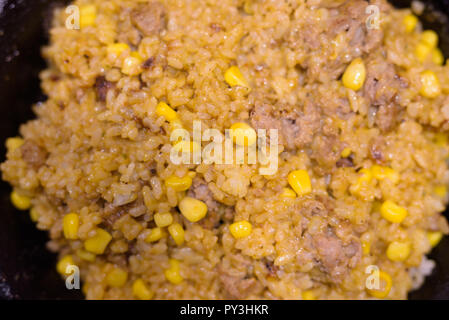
x=98, y=148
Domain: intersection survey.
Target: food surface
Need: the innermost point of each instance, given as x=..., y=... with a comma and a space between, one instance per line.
x=358, y=93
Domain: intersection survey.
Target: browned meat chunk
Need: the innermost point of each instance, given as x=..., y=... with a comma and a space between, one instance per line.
x=387, y=116
x=382, y=82
x=381, y=87
x=237, y=287
x=112, y=213
x=345, y=163
x=113, y=216
x=311, y=208
x=149, y=18
x=351, y=17
x=335, y=258
x=377, y=149
x=348, y=18
x=271, y=268
x=102, y=86
x=199, y=190
x=216, y=210
x=148, y=63
x=325, y=152
x=296, y=129
x=33, y=155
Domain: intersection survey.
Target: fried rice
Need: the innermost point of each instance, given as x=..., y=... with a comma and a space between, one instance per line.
x=93, y=165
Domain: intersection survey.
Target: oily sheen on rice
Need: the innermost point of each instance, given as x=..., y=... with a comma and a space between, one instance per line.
x=374, y=151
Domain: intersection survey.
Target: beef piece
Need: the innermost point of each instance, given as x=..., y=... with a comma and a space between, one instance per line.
x=327, y=201
x=351, y=17
x=271, y=268
x=381, y=87
x=33, y=155
x=149, y=18
x=215, y=210
x=346, y=18
x=199, y=190
x=148, y=63
x=345, y=163
x=325, y=152
x=377, y=149
x=113, y=215
x=310, y=208
x=295, y=129
x=238, y=287
x=387, y=116
x=335, y=257
x=102, y=87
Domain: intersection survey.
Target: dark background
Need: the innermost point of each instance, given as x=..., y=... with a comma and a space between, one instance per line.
x=27, y=269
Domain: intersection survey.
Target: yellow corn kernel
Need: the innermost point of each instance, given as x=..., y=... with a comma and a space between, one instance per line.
x=98, y=243
x=164, y=110
x=179, y=184
x=241, y=229
x=14, y=143
x=398, y=251
x=299, y=180
x=437, y=57
x=173, y=274
x=141, y=291
x=234, y=77
x=422, y=51
x=288, y=193
x=163, y=219
x=19, y=201
x=366, y=175
x=362, y=181
x=385, y=284
x=187, y=146
x=243, y=134
x=175, y=124
x=63, y=263
x=117, y=277
x=154, y=235
x=308, y=295
x=177, y=233
x=117, y=48
x=132, y=66
x=136, y=55
x=34, y=216
x=441, y=139
x=354, y=75
x=434, y=237
x=430, y=85
x=70, y=224
x=192, y=209
x=382, y=173
x=366, y=247
x=88, y=14
x=83, y=254
x=430, y=38
x=410, y=22
x=440, y=191
x=346, y=152
x=191, y=174
x=392, y=212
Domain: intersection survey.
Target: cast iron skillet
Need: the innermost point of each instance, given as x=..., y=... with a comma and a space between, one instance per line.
x=27, y=269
